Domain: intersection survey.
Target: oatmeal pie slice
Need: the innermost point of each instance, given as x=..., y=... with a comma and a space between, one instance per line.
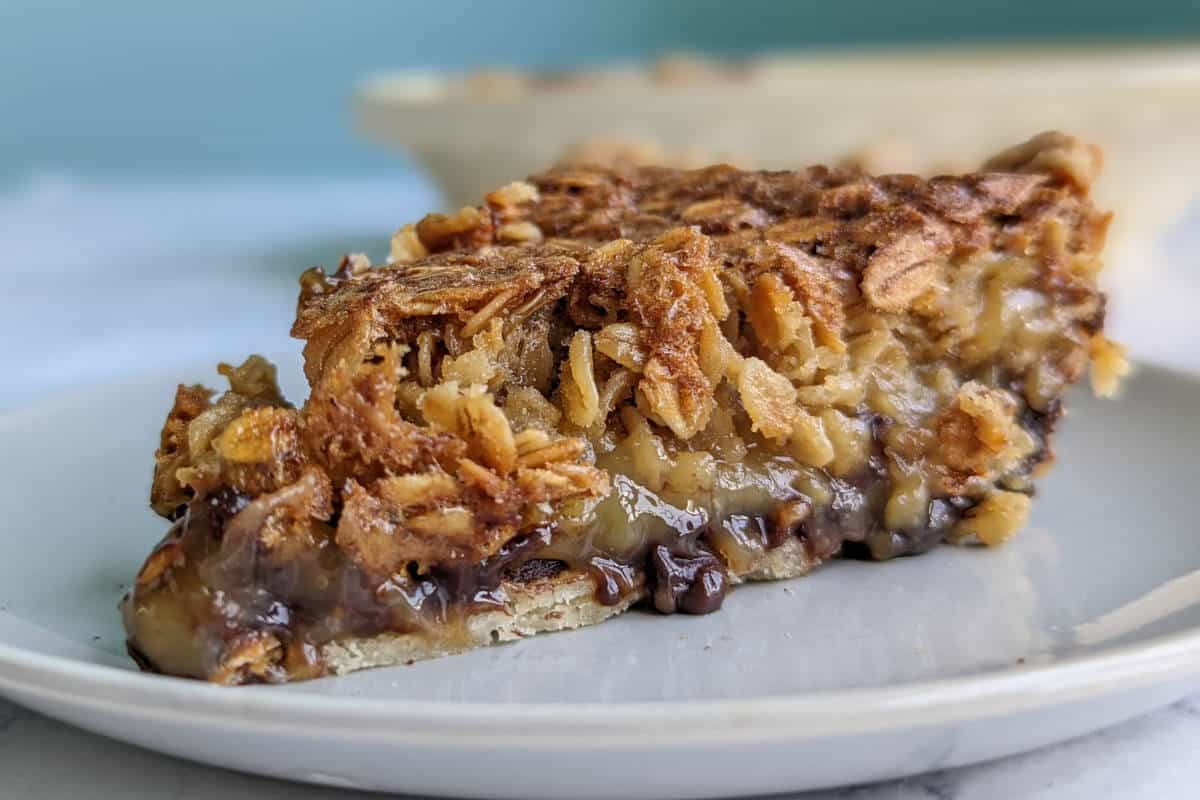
x=601, y=388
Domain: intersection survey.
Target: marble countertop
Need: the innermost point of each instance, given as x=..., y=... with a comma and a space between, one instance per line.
x=101, y=275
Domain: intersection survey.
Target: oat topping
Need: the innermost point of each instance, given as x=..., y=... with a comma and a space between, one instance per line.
x=652, y=369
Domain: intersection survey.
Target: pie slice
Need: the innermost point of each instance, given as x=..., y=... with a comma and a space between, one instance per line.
x=602, y=388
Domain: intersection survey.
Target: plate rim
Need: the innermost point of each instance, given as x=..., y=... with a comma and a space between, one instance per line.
x=838, y=712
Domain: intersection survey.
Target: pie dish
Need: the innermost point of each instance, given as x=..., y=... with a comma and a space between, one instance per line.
x=605, y=387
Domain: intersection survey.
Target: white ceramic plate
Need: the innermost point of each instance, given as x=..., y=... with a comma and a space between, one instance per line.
x=858, y=673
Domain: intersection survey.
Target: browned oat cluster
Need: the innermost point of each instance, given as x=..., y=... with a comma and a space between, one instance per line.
x=665, y=372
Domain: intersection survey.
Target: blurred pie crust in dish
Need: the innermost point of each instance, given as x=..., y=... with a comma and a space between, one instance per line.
x=610, y=387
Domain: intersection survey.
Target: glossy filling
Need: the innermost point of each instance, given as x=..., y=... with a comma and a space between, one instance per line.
x=682, y=545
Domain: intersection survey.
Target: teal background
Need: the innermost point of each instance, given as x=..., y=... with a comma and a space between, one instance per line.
x=143, y=87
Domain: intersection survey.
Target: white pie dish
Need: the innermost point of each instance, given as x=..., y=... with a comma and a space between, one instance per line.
x=857, y=673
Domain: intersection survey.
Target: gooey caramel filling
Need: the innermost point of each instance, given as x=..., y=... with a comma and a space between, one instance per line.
x=683, y=540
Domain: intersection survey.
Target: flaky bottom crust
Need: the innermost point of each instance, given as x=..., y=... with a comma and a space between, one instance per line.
x=560, y=603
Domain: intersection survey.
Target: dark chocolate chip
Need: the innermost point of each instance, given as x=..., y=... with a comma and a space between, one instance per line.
x=692, y=584
x=941, y=517
x=477, y=582
x=707, y=594
x=614, y=580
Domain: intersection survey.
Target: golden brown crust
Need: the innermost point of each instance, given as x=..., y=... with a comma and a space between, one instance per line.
x=407, y=493
x=880, y=228
x=189, y=459
x=166, y=493
x=352, y=428
x=343, y=316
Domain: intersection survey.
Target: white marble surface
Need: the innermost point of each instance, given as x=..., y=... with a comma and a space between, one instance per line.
x=103, y=280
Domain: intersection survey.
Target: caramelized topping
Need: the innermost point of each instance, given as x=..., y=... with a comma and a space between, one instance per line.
x=650, y=376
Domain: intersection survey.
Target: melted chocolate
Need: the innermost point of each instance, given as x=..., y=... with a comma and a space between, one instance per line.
x=881, y=544
x=1041, y=425
x=691, y=584
x=614, y=580
x=468, y=583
